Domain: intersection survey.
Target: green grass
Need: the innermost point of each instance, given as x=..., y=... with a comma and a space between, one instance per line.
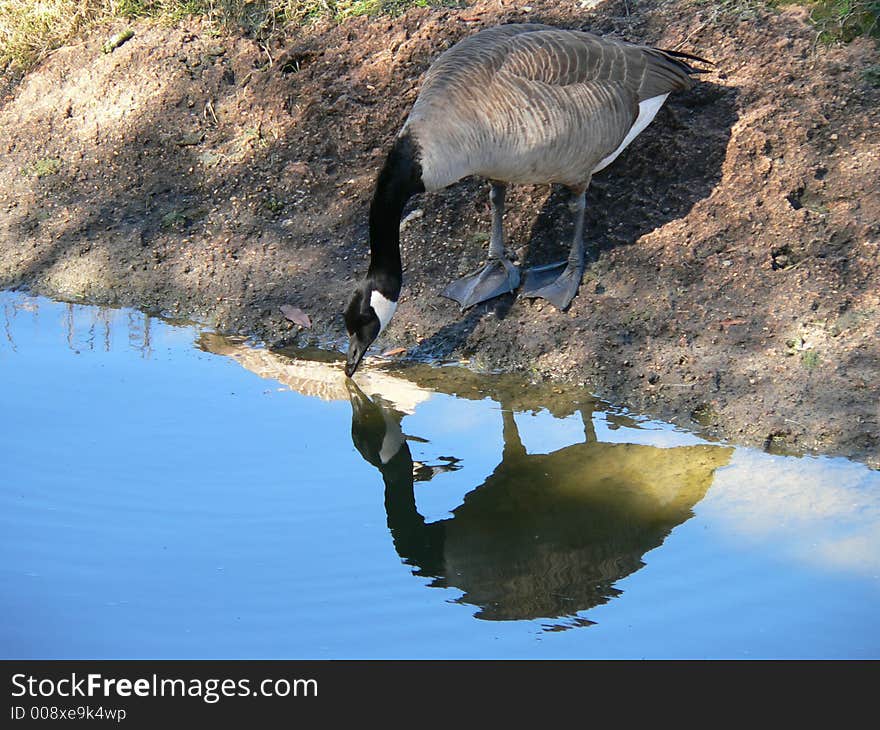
x=174, y=219
x=845, y=20
x=810, y=359
x=871, y=75
x=43, y=168
x=30, y=29
x=836, y=21
x=273, y=205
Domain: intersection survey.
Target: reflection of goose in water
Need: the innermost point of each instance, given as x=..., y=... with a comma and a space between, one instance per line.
x=312, y=377
x=545, y=535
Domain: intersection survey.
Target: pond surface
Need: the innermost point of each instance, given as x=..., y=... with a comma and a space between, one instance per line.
x=170, y=493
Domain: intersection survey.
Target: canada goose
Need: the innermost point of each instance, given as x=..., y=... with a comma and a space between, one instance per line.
x=518, y=103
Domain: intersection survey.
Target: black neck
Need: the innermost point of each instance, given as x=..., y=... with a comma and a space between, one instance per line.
x=400, y=179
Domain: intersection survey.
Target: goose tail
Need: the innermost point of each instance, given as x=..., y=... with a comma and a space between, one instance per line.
x=682, y=59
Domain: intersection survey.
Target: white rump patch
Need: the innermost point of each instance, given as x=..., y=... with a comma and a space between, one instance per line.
x=647, y=111
x=384, y=309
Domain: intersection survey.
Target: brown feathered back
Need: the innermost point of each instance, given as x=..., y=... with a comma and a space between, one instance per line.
x=531, y=103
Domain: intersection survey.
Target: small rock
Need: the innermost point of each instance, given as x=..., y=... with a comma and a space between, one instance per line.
x=414, y=216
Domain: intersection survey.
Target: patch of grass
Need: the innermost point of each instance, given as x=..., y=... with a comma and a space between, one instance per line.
x=637, y=316
x=871, y=75
x=741, y=9
x=30, y=29
x=840, y=21
x=705, y=414
x=174, y=219
x=837, y=21
x=388, y=7
x=845, y=20
x=810, y=359
x=43, y=168
x=252, y=138
x=273, y=205
x=297, y=10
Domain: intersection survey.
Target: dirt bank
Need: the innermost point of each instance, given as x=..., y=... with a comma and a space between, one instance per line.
x=201, y=175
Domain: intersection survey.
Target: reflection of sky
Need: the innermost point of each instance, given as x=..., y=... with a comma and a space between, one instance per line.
x=542, y=433
x=820, y=511
x=649, y=433
x=448, y=423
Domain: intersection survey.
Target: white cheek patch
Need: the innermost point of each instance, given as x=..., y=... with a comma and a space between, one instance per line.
x=384, y=308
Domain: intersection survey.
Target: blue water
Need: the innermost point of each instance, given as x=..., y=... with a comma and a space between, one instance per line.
x=166, y=493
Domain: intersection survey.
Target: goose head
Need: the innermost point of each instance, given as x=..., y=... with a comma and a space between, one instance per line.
x=368, y=313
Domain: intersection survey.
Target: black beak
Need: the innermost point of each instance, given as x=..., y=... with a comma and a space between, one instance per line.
x=356, y=352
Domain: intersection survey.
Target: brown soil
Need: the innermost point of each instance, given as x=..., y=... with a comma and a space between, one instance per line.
x=739, y=236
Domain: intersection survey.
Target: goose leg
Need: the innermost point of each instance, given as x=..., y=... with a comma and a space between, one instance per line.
x=543, y=282
x=499, y=275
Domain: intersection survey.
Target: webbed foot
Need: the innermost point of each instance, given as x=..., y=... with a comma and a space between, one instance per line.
x=558, y=289
x=497, y=277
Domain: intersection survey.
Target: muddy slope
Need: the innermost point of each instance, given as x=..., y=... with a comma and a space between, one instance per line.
x=736, y=288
